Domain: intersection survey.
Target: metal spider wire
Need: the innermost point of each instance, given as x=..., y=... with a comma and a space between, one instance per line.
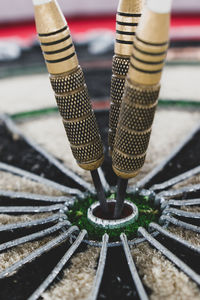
x=168, y=199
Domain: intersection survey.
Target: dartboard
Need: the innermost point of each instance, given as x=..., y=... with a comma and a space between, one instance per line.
x=48, y=249
x=44, y=254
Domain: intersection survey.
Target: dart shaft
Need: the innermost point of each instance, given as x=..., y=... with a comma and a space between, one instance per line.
x=100, y=191
x=121, y=193
x=127, y=19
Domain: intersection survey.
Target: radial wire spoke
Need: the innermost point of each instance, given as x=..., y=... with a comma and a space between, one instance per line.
x=34, y=236
x=58, y=267
x=34, y=197
x=100, y=269
x=30, y=209
x=175, y=180
x=174, y=237
x=39, y=179
x=146, y=181
x=28, y=224
x=179, y=223
x=189, y=202
x=182, y=213
x=188, y=189
x=179, y=263
x=54, y=243
x=137, y=281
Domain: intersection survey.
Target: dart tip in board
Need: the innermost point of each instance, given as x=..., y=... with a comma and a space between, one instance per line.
x=121, y=193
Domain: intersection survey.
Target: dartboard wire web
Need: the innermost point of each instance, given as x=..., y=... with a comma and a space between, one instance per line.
x=168, y=198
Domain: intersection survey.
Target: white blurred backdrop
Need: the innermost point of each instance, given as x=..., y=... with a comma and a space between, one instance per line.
x=13, y=10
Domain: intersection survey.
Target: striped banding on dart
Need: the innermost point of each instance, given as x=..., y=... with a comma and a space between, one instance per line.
x=127, y=19
x=150, y=49
x=126, y=25
x=58, y=51
x=68, y=83
x=147, y=61
x=55, y=38
x=141, y=94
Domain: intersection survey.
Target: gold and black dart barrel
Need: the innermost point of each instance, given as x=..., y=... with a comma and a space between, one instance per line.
x=140, y=98
x=71, y=93
x=127, y=20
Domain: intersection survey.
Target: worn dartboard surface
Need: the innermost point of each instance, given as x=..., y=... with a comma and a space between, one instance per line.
x=41, y=254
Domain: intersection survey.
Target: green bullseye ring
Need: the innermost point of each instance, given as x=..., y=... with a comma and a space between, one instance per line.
x=146, y=212
x=106, y=223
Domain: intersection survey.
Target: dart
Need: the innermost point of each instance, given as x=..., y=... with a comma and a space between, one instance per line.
x=127, y=20
x=140, y=95
x=70, y=90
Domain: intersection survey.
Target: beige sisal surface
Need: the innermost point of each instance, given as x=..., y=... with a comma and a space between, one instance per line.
x=77, y=280
x=178, y=82
x=165, y=281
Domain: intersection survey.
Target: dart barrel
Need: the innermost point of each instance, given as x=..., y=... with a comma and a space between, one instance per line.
x=78, y=118
x=134, y=129
x=140, y=94
x=127, y=19
x=68, y=83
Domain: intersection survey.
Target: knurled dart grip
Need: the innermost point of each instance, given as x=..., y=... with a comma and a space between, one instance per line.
x=119, y=69
x=134, y=129
x=78, y=118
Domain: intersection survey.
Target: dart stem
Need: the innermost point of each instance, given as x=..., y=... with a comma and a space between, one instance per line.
x=121, y=193
x=100, y=191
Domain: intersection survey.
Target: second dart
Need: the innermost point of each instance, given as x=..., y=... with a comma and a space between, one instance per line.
x=140, y=95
